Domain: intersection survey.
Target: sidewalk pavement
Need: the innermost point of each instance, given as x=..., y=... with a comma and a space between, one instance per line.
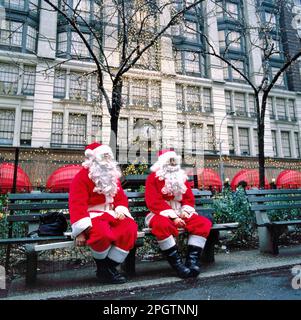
x=77, y=283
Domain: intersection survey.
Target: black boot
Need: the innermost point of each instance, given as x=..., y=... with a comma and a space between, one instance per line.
x=107, y=272
x=193, y=260
x=173, y=257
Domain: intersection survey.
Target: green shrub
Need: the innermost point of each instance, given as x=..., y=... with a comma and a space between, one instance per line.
x=234, y=207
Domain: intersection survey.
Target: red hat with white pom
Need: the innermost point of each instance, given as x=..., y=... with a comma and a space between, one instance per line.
x=163, y=157
x=97, y=149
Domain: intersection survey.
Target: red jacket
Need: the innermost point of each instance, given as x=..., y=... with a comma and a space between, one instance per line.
x=82, y=197
x=156, y=200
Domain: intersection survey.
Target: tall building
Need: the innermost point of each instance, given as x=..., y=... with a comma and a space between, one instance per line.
x=184, y=98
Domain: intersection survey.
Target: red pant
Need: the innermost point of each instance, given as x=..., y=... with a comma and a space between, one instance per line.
x=163, y=227
x=107, y=231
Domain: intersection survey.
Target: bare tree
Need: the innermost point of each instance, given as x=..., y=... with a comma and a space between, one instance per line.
x=124, y=32
x=264, y=34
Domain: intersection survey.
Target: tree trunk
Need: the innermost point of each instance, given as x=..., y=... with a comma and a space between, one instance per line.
x=260, y=132
x=116, y=106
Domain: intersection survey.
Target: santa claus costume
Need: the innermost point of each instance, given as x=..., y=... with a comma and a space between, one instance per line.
x=96, y=203
x=168, y=196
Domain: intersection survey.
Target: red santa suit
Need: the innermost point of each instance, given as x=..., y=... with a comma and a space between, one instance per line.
x=166, y=206
x=95, y=210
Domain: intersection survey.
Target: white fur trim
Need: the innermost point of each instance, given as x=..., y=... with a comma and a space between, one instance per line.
x=188, y=209
x=124, y=210
x=80, y=226
x=164, y=158
x=167, y=243
x=118, y=255
x=102, y=150
x=100, y=255
x=169, y=213
x=197, y=241
x=148, y=218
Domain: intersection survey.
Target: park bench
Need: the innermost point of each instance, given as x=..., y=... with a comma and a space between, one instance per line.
x=27, y=207
x=263, y=203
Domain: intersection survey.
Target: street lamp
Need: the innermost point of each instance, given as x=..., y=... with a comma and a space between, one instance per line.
x=221, y=164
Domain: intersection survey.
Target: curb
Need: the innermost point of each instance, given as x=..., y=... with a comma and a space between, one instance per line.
x=135, y=286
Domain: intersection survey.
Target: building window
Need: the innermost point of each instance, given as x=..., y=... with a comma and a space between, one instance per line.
x=122, y=138
x=7, y=125
x=270, y=107
x=77, y=128
x=31, y=38
x=255, y=137
x=280, y=105
x=274, y=142
x=181, y=138
x=180, y=98
x=26, y=128
x=29, y=79
x=11, y=33
x=193, y=99
x=231, y=140
x=140, y=92
x=57, y=128
x=62, y=42
x=96, y=130
x=244, y=141
x=9, y=77
x=156, y=94
x=297, y=143
x=230, y=39
x=291, y=107
x=196, y=137
x=252, y=105
x=210, y=138
x=14, y=79
x=78, y=86
x=190, y=62
x=240, y=104
x=229, y=108
x=270, y=19
x=280, y=82
x=207, y=102
x=191, y=31
x=59, y=89
x=286, y=147
x=78, y=48
x=231, y=74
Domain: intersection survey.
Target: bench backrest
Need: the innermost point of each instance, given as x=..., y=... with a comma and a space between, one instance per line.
x=262, y=202
x=32, y=205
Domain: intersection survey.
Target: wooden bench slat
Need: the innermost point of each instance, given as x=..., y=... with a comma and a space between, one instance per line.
x=38, y=196
x=264, y=207
x=253, y=199
x=31, y=240
x=273, y=191
x=37, y=206
x=28, y=217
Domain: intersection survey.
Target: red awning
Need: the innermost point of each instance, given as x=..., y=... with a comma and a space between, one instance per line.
x=208, y=179
x=251, y=177
x=289, y=179
x=7, y=177
x=60, y=179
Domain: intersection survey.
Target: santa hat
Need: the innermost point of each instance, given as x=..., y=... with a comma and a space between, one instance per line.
x=97, y=149
x=163, y=157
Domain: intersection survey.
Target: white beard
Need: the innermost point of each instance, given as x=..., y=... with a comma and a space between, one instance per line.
x=174, y=178
x=105, y=176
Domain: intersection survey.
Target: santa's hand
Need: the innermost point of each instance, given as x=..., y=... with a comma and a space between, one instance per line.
x=179, y=222
x=184, y=215
x=81, y=239
x=119, y=215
